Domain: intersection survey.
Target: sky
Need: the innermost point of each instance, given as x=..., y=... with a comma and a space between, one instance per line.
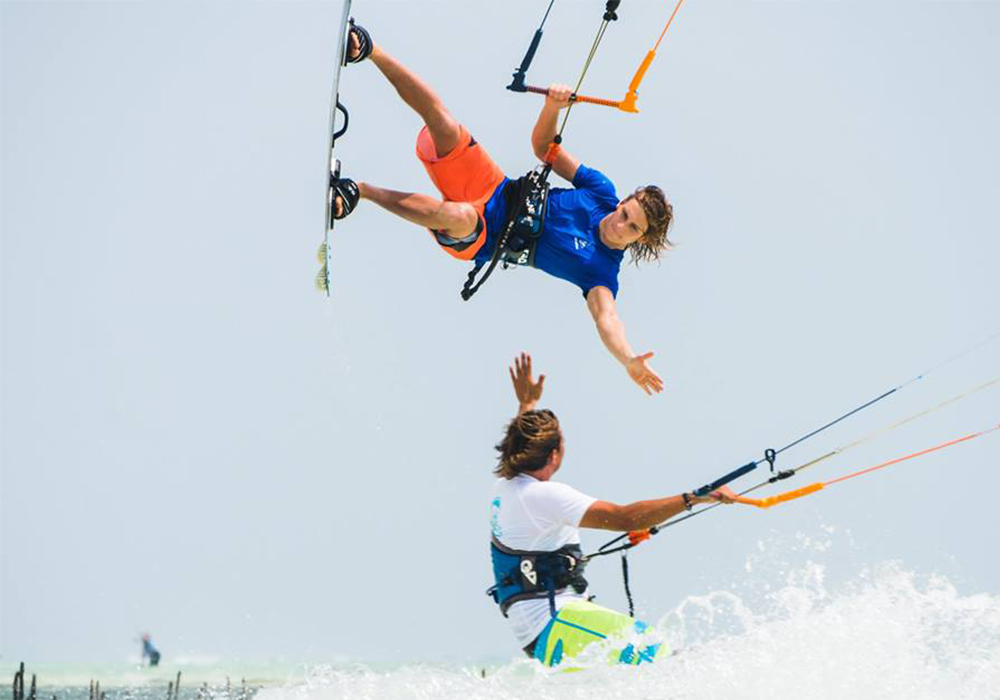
x=197, y=443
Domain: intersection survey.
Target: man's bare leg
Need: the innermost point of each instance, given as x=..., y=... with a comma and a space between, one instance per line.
x=454, y=219
x=444, y=130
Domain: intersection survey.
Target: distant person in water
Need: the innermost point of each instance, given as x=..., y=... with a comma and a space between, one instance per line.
x=149, y=651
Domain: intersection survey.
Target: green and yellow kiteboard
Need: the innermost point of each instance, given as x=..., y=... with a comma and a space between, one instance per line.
x=333, y=164
x=578, y=624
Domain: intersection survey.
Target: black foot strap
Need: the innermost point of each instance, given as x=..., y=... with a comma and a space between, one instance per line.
x=347, y=191
x=365, y=44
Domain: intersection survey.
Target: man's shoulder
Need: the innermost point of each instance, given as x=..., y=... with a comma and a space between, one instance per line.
x=588, y=178
x=552, y=489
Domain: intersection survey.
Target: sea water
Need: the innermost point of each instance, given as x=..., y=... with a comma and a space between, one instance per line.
x=889, y=634
x=884, y=632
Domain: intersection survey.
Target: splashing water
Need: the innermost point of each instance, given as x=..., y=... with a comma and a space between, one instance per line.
x=784, y=632
x=889, y=634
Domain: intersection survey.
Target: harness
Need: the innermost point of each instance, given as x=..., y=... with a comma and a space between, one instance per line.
x=525, y=225
x=521, y=575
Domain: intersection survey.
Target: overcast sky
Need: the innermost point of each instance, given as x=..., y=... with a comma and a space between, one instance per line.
x=197, y=443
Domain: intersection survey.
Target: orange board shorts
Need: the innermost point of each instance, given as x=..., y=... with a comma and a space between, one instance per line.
x=467, y=174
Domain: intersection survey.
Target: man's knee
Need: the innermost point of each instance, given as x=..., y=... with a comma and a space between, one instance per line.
x=460, y=219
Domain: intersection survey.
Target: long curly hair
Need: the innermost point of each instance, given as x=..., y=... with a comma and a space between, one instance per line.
x=527, y=443
x=659, y=213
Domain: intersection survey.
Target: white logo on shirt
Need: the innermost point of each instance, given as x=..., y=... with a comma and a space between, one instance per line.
x=580, y=243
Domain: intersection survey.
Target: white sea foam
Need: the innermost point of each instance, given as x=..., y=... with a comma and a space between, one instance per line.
x=886, y=634
x=789, y=629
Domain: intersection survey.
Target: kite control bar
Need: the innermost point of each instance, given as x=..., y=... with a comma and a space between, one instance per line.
x=723, y=480
x=628, y=103
x=573, y=98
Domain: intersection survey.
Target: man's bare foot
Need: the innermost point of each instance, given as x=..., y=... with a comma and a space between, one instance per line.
x=353, y=47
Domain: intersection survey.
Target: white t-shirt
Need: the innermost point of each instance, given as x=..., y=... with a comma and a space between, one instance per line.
x=542, y=516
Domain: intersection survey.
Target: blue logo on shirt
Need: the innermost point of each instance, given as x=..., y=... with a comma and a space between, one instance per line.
x=495, y=518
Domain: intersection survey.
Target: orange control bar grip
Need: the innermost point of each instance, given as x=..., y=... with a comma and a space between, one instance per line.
x=578, y=98
x=628, y=104
x=641, y=73
x=781, y=497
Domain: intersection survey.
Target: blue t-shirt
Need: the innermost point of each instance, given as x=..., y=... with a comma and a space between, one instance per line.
x=570, y=247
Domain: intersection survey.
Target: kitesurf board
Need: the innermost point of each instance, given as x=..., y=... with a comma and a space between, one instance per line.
x=333, y=164
x=580, y=623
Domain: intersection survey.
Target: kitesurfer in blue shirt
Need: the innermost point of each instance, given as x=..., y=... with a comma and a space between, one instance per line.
x=587, y=229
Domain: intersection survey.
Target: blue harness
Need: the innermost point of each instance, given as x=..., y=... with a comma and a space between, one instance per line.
x=520, y=575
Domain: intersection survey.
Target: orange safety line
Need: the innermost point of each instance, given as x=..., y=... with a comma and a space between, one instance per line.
x=813, y=488
x=911, y=456
x=677, y=7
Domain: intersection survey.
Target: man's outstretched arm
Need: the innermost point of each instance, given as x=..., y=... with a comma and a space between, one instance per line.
x=642, y=515
x=601, y=303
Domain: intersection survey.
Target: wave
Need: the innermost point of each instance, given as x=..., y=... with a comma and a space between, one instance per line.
x=888, y=633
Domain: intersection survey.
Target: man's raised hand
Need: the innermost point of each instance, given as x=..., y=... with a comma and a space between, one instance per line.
x=643, y=375
x=527, y=390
